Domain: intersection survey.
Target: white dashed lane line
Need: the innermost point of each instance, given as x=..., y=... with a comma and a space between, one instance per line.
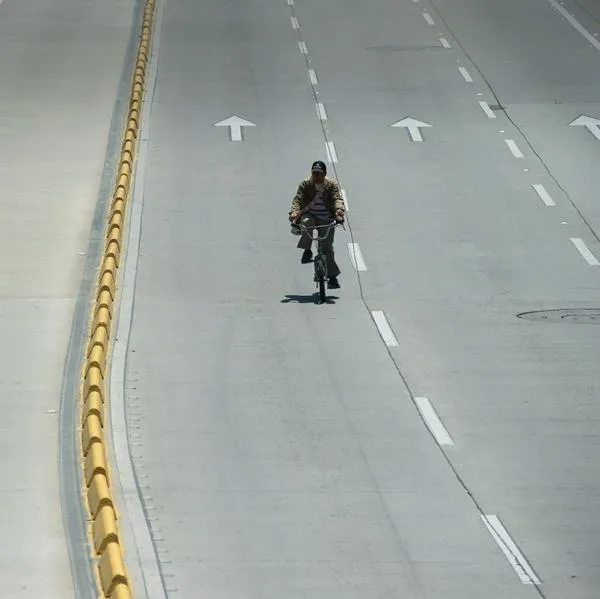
x=434, y=424
x=331, y=153
x=345, y=198
x=466, y=76
x=429, y=20
x=445, y=43
x=294, y=21
x=585, y=251
x=486, y=108
x=384, y=328
x=321, y=111
x=544, y=195
x=509, y=548
x=312, y=75
x=514, y=148
x=356, y=257
x=303, y=48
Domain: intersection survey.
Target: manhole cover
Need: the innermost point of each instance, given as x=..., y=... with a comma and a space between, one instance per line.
x=573, y=316
x=390, y=48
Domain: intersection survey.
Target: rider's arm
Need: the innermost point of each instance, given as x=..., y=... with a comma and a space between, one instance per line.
x=338, y=199
x=297, y=200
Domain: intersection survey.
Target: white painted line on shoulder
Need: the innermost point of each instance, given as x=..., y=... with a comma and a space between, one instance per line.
x=576, y=24
x=466, y=76
x=295, y=23
x=331, y=153
x=345, y=198
x=544, y=195
x=585, y=251
x=312, y=75
x=514, y=148
x=356, y=257
x=433, y=421
x=384, y=328
x=509, y=548
x=303, y=48
x=445, y=43
x=486, y=108
x=321, y=111
x=428, y=18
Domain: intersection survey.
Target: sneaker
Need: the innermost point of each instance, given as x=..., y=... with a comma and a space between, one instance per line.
x=333, y=283
x=306, y=256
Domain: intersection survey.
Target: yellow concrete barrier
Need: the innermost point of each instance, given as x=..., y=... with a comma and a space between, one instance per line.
x=104, y=528
x=112, y=568
x=111, y=571
x=98, y=494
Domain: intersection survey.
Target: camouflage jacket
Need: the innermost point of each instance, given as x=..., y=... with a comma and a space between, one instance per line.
x=306, y=194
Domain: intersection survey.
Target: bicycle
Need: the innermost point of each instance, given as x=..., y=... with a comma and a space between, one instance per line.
x=320, y=260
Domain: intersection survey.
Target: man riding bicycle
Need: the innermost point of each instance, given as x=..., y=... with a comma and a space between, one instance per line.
x=318, y=201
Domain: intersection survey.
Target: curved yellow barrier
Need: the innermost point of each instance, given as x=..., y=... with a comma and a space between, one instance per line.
x=109, y=563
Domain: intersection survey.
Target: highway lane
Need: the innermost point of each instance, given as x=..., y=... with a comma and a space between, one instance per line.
x=458, y=243
x=279, y=448
x=60, y=66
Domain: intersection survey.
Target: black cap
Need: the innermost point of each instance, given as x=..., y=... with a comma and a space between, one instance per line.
x=319, y=166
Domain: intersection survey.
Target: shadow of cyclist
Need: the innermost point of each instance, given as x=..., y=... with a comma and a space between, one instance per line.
x=308, y=299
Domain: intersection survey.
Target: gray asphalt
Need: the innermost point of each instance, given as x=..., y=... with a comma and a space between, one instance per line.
x=60, y=68
x=282, y=450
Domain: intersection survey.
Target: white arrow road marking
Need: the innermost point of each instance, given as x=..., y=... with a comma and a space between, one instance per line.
x=590, y=123
x=466, y=76
x=488, y=111
x=544, y=195
x=433, y=421
x=235, y=124
x=585, y=251
x=384, y=328
x=413, y=127
x=509, y=548
x=356, y=257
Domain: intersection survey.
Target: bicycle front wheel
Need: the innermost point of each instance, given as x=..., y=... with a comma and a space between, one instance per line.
x=320, y=276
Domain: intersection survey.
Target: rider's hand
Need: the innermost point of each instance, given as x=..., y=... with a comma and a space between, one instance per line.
x=293, y=217
x=339, y=216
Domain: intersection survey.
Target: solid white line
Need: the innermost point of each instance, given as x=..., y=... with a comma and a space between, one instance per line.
x=445, y=43
x=313, y=76
x=384, y=328
x=544, y=195
x=132, y=511
x=294, y=21
x=514, y=148
x=428, y=18
x=303, y=48
x=345, y=198
x=465, y=74
x=321, y=111
x=356, y=257
x=331, y=153
x=486, y=108
x=576, y=24
x=433, y=421
x=585, y=251
x=509, y=548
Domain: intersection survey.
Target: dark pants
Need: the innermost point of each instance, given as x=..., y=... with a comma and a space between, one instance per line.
x=305, y=241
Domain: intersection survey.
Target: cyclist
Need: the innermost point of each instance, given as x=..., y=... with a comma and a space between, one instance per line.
x=318, y=201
